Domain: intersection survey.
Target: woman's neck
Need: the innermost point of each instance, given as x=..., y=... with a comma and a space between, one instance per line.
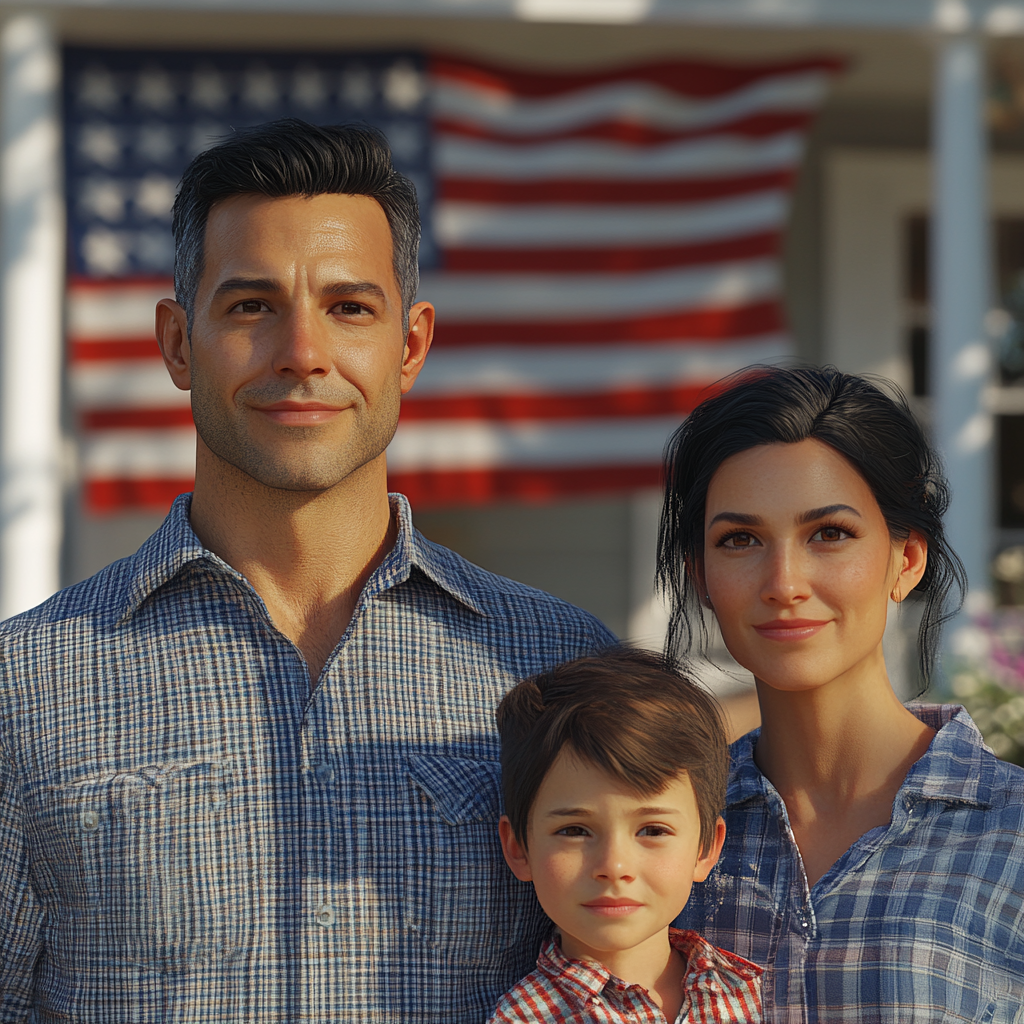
x=837, y=755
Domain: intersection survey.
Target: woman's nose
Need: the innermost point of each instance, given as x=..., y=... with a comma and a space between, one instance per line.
x=786, y=578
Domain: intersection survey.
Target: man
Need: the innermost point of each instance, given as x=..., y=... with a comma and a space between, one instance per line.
x=251, y=773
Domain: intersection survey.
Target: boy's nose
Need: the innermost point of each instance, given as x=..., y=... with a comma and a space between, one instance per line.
x=613, y=862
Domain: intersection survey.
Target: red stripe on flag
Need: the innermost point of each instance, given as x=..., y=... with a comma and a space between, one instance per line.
x=632, y=133
x=576, y=261
x=481, y=486
x=138, y=418
x=153, y=495
x=616, y=191
x=101, y=349
x=625, y=403
x=147, y=281
x=690, y=78
x=701, y=324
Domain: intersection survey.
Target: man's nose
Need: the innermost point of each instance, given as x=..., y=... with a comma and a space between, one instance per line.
x=301, y=346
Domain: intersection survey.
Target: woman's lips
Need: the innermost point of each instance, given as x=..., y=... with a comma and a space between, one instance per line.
x=790, y=629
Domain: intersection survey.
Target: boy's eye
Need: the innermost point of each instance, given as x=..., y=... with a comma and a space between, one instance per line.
x=573, y=830
x=655, y=830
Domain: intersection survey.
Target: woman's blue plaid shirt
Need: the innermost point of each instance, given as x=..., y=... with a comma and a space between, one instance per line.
x=919, y=922
x=187, y=834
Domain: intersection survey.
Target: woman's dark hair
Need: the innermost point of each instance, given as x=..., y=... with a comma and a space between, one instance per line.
x=291, y=157
x=876, y=432
x=632, y=714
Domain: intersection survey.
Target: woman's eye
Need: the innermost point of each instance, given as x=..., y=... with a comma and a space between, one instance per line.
x=830, y=533
x=252, y=306
x=739, y=540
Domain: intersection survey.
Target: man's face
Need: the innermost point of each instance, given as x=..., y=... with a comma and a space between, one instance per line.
x=298, y=356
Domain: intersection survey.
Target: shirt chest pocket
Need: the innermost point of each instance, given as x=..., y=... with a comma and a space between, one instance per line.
x=164, y=856
x=458, y=894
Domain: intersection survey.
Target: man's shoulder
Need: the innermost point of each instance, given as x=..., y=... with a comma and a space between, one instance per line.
x=89, y=604
x=496, y=595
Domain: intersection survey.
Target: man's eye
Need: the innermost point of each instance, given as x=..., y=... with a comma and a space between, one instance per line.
x=252, y=306
x=351, y=308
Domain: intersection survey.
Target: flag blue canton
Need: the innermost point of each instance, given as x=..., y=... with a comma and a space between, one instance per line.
x=134, y=119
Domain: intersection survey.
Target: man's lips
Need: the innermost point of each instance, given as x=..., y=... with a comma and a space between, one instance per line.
x=790, y=629
x=299, y=414
x=608, y=906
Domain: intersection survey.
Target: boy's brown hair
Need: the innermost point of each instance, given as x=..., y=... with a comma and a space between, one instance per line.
x=630, y=713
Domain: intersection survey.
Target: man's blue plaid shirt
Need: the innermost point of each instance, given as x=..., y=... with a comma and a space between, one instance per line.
x=187, y=834
x=918, y=922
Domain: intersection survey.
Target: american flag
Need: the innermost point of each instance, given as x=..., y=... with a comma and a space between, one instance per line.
x=600, y=248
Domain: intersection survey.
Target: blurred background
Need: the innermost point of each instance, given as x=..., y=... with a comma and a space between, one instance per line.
x=623, y=201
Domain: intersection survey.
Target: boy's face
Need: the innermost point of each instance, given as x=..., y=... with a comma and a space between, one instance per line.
x=611, y=869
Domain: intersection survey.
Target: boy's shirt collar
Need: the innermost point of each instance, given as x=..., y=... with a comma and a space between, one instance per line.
x=706, y=966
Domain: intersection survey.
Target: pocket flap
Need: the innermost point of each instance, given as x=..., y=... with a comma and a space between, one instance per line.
x=462, y=789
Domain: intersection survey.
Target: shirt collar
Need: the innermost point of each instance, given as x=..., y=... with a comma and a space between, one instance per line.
x=956, y=768
x=175, y=546
x=704, y=964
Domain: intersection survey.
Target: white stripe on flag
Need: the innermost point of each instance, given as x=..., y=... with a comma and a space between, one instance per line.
x=501, y=297
x=637, y=102
x=124, y=384
x=590, y=159
x=117, y=311
x=139, y=454
x=476, y=444
x=499, y=226
x=512, y=369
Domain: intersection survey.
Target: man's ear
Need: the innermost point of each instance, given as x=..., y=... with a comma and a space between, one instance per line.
x=708, y=860
x=172, y=337
x=417, y=342
x=515, y=854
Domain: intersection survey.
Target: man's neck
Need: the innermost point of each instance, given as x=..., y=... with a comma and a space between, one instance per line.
x=307, y=554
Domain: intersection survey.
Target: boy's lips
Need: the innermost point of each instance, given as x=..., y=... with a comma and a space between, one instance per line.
x=790, y=629
x=610, y=906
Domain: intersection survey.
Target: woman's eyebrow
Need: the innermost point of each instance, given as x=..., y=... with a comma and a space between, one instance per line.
x=827, y=510
x=740, y=518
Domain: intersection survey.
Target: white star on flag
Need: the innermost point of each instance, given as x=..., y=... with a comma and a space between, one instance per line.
x=155, y=90
x=260, y=89
x=208, y=89
x=308, y=88
x=100, y=144
x=155, y=196
x=104, y=198
x=96, y=88
x=104, y=251
x=404, y=87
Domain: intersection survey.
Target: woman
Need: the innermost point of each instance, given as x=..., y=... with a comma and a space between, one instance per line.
x=874, y=859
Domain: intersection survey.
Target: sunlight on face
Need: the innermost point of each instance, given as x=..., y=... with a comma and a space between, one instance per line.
x=798, y=564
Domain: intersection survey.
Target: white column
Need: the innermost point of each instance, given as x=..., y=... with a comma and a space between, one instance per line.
x=961, y=291
x=31, y=273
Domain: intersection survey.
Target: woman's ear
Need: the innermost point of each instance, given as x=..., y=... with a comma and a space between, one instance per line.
x=912, y=554
x=515, y=853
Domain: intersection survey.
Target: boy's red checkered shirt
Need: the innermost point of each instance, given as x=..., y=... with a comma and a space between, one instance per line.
x=718, y=988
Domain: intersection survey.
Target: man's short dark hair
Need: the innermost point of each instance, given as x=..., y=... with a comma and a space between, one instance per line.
x=290, y=157
x=630, y=713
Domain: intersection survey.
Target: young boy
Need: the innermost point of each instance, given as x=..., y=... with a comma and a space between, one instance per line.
x=614, y=772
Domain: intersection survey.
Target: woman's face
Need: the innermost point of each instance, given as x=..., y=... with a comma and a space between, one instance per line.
x=799, y=564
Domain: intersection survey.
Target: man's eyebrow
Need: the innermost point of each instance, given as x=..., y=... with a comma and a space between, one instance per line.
x=827, y=510
x=353, y=288
x=248, y=284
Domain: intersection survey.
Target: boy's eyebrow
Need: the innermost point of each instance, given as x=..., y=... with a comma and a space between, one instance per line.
x=568, y=812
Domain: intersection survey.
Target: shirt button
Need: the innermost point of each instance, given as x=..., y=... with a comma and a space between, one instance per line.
x=324, y=772
x=325, y=915
x=90, y=820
